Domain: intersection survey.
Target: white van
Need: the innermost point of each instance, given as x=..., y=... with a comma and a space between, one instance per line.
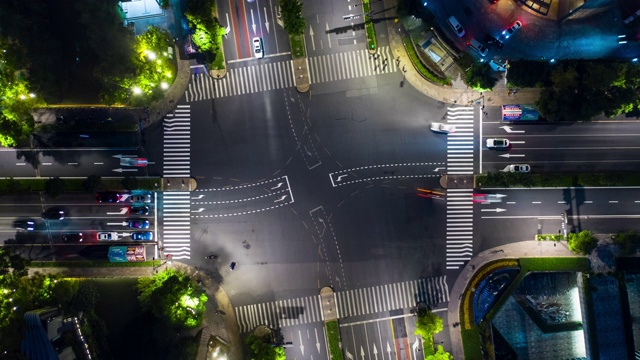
x=477, y=46
x=455, y=25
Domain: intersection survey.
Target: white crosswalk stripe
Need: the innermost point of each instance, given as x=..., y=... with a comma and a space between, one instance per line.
x=430, y=291
x=349, y=65
x=460, y=143
x=175, y=214
x=278, y=314
x=176, y=223
x=243, y=80
x=459, y=227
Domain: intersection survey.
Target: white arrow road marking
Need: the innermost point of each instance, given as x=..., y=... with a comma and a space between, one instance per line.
x=389, y=350
x=328, y=35
x=277, y=186
x=512, y=155
x=281, y=199
x=124, y=223
x=253, y=23
x=375, y=351
x=121, y=170
x=197, y=211
x=313, y=43
x=197, y=197
x=349, y=356
x=438, y=169
x=301, y=346
x=362, y=352
x=266, y=23
x=508, y=129
x=121, y=212
x=495, y=210
x=340, y=177
x=415, y=345
x=228, y=28
x=317, y=341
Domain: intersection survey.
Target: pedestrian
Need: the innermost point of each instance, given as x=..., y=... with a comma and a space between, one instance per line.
x=404, y=68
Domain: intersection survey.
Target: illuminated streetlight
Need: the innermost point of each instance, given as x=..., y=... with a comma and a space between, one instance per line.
x=164, y=85
x=150, y=54
x=32, y=95
x=137, y=90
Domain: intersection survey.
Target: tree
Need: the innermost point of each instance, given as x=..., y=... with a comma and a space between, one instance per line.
x=427, y=325
x=86, y=296
x=629, y=242
x=294, y=22
x=92, y=183
x=440, y=355
x=479, y=76
x=54, y=187
x=582, y=243
x=261, y=349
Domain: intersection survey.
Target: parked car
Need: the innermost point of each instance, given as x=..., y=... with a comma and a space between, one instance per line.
x=108, y=197
x=142, y=235
x=138, y=223
x=140, y=198
x=519, y=168
x=494, y=41
x=442, y=128
x=455, y=25
x=258, y=48
x=107, y=236
x=512, y=29
x=25, y=225
x=478, y=47
x=139, y=210
x=498, y=144
x=72, y=237
x=53, y=214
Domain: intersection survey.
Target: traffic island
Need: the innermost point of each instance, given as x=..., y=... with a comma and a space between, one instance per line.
x=372, y=43
x=330, y=316
x=300, y=63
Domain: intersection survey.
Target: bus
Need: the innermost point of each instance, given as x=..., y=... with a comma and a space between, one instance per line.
x=519, y=113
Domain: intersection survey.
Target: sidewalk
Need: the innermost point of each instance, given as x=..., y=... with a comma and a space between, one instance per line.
x=175, y=92
x=219, y=319
x=516, y=250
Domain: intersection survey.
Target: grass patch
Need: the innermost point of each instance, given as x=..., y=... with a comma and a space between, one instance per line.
x=418, y=65
x=554, y=264
x=297, y=46
x=91, y=264
x=372, y=42
x=550, y=237
x=129, y=126
x=515, y=180
x=12, y=186
x=333, y=338
x=472, y=344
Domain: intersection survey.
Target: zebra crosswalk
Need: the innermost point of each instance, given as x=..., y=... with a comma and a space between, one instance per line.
x=459, y=227
x=349, y=65
x=278, y=75
x=460, y=143
x=430, y=291
x=176, y=224
x=177, y=137
x=282, y=313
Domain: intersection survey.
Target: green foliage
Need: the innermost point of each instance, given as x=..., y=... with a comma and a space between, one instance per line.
x=173, y=296
x=92, y=183
x=333, y=338
x=130, y=182
x=440, y=354
x=13, y=186
x=427, y=325
x=297, y=46
x=418, y=65
x=582, y=243
x=261, y=349
x=553, y=264
x=479, y=76
x=208, y=32
x=528, y=74
x=54, y=187
x=629, y=242
x=86, y=297
x=294, y=22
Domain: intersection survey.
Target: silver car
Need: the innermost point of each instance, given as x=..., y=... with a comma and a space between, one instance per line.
x=519, y=168
x=141, y=198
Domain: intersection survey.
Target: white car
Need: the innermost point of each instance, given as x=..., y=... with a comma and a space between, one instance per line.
x=107, y=236
x=512, y=29
x=455, y=25
x=258, y=49
x=519, y=168
x=498, y=144
x=442, y=128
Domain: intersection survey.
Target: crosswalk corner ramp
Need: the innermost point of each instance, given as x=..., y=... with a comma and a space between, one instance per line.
x=179, y=184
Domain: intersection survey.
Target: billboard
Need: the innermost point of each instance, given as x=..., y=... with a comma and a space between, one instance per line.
x=519, y=113
x=126, y=253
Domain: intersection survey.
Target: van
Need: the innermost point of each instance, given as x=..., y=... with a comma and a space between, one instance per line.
x=477, y=46
x=455, y=25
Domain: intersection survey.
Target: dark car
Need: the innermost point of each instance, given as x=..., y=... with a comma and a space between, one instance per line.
x=142, y=235
x=72, y=237
x=494, y=41
x=53, y=214
x=139, y=210
x=138, y=223
x=108, y=197
x=25, y=225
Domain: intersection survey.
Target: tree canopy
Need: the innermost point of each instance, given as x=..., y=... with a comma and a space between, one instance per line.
x=582, y=243
x=261, y=349
x=440, y=355
x=479, y=76
x=428, y=324
x=294, y=22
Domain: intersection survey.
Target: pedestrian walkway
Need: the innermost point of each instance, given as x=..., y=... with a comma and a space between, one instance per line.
x=352, y=64
x=459, y=227
x=175, y=215
x=282, y=313
x=177, y=137
x=460, y=143
x=278, y=314
x=239, y=81
x=430, y=291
